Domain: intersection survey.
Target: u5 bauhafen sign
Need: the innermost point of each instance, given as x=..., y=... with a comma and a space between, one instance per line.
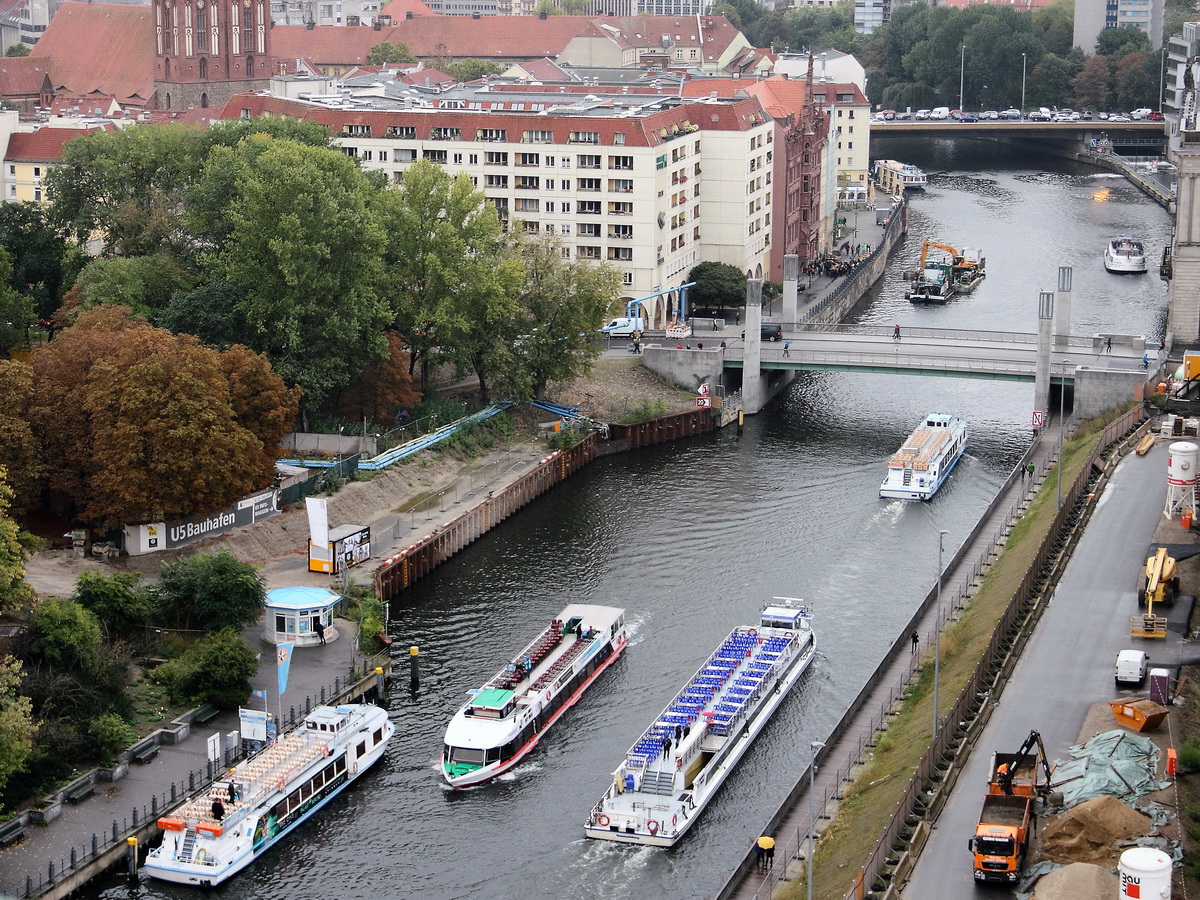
x=157, y=536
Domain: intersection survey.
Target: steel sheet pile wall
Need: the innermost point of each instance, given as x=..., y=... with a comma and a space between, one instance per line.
x=666, y=428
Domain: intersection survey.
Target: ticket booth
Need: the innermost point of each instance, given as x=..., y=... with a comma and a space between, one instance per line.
x=302, y=615
x=344, y=546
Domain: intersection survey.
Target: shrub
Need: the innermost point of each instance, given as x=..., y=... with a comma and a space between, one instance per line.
x=110, y=734
x=216, y=669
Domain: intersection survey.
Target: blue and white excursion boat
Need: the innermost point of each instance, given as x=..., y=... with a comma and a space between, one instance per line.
x=680, y=762
x=1124, y=255
x=504, y=720
x=924, y=462
x=212, y=837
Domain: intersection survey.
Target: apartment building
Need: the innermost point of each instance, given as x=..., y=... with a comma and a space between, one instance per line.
x=649, y=183
x=1093, y=16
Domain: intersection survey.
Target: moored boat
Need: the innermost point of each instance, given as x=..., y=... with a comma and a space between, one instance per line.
x=895, y=177
x=967, y=270
x=504, y=720
x=212, y=837
x=1124, y=255
x=938, y=279
x=930, y=284
x=922, y=464
x=680, y=762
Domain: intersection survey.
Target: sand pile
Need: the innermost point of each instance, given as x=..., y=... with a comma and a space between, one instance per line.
x=1090, y=831
x=1077, y=880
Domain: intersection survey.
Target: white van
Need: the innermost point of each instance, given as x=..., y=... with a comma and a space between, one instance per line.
x=1142, y=113
x=1130, y=667
x=940, y=112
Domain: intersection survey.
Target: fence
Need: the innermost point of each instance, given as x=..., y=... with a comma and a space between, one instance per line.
x=319, y=479
x=82, y=863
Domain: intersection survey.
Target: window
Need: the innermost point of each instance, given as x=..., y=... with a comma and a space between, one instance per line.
x=356, y=131
x=589, y=229
x=588, y=207
x=620, y=208
x=458, y=158
x=492, y=134
x=566, y=207
x=496, y=181
x=445, y=134
x=566, y=184
x=566, y=162
x=383, y=154
x=528, y=159
x=408, y=132
x=549, y=184
x=621, y=185
x=538, y=137
x=437, y=156
x=531, y=227
x=620, y=232
x=566, y=229
x=37, y=171
x=473, y=159
x=626, y=278
x=622, y=254
x=585, y=137
x=588, y=184
x=621, y=162
x=549, y=206
x=37, y=194
x=353, y=151
x=527, y=204
x=589, y=162
x=492, y=158
x=528, y=183
x=588, y=252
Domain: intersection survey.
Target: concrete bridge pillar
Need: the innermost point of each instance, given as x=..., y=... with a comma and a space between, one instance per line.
x=1062, y=308
x=1183, y=297
x=753, y=389
x=1041, y=374
x=791, y=288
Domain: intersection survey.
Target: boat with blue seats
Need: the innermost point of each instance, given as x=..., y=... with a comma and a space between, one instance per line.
x=680, y=762
x=503, y=721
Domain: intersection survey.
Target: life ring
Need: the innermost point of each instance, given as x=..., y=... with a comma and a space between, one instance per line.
x=547, y=696
x=652, y=827
x=279, y=783
x=674, y=820
x=678, y=763
x=602, y=820
x=753, y=632
x=787, y=634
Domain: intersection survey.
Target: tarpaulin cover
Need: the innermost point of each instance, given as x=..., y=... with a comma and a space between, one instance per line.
x=1113, y=763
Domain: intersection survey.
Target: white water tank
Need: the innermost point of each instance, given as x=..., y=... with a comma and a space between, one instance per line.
x=1145, y=874
x=1181, y=463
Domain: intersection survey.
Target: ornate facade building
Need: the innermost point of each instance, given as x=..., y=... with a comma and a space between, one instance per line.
x=208, y=50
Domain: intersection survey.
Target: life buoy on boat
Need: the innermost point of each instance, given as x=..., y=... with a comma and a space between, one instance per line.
x=652, y=827
x=602, y=820
x=674, y=820
x=787, y=634
x=547, y=696
x=279, y=783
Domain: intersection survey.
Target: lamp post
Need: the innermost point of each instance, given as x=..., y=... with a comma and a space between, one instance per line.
x=937, y=634
x=1162, y=74
x=962, y=69
x=1062, y=401
x=812, y=768
x=1022, y=85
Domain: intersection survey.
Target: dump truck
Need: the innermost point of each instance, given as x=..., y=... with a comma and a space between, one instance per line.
x=1008, y=819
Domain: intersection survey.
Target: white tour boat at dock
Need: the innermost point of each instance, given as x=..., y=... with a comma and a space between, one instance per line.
x=504, y=720
x=922, y=464
x=212, y=837
x=679, y=763
x=1124, y=255
x=895, y=177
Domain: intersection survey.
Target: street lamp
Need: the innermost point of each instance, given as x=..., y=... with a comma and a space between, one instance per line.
x=962, y=68
x=812, y=768
x=1062, y=401
x=1022, y=85
x=937, y=635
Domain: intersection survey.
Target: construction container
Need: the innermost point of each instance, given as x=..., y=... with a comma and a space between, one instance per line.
x=1140, y=715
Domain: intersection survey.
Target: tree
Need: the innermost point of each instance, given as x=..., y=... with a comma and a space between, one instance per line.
x=16, y=721
x=1091, y=85
x=14, y=592
x=212, y=312
x=305, y=245
x=121, y=602
x=388, y=53
x=216, y=669
x=210, y=591
x=43, y=264
x=718, y=285
x=17, y=50
x=472, y=69
x=261, y=402
x=16, y=311
x=1050, y=81
x=143, y=283
x=19, y=455
x=65, y=635
x=1117, y=42
x=137, y=424
x=546, y=8
x=1136, y=80
x=380, y=390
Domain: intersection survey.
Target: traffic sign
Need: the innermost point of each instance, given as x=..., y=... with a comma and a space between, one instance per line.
x=704, y=388
x=1039, y=419
x=704, y=401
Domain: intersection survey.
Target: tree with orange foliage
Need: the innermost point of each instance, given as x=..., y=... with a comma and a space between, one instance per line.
x=139, y=425
x=381, y=390
x=18, y=446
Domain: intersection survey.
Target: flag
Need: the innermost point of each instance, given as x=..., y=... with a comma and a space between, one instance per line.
x=283, y=656
x=262, y=694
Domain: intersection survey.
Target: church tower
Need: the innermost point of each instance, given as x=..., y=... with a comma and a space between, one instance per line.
x=208, y=50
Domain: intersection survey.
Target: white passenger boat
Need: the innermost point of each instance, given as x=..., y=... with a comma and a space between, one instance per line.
x=1125, y=255
x=922, y=464
x=895, y=177
x=214, y=836
x=504, y=720
x=679, y=763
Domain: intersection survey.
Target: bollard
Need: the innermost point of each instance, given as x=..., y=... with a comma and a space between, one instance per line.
x=414, y=675
x=337, y=685
x=51, y=867
x=132, y=843
x=114, y=831
x=95, y=844
x=135, y=819
x=741, y=420
x=379, y=683
x=322, y=693
x=73, y=859
x=28, y=885
x=191, y=781
x=173, y=784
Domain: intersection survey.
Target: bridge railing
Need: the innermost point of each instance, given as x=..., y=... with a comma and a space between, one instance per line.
x=885, y=358
x=949, y=335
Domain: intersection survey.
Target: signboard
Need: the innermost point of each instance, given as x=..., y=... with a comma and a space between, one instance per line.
x=704, y=402
x=1039, y=419
x=214, y=747
x=347, y=545
x=155, y=536
x=703, y=389
x=254, y=724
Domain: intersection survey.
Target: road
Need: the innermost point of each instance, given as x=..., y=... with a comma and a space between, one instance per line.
x=1067, y=665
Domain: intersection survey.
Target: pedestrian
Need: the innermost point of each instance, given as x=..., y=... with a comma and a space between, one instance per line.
x=218, y=809
x=722, y=345
x=528, y=665
x=770, y=856
x=1145, y=360
x=915, y=639
x=1030, y=469
x=321, y=633
x=786, y=345
x=714, y=323
x=1108, y=345
x=233, y=792
x=737, y=320
x=699, y=345
x=666, y=748
x=760, y=855
x=896, y=332
x=678, y=735
x=1022, y=472
x=743, y=335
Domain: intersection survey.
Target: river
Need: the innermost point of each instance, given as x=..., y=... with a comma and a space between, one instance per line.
x=690, y=538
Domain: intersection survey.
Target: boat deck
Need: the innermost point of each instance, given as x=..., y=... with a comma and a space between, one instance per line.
x=921, y=448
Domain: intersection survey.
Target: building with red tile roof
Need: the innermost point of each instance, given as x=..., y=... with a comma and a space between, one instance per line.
x=29, y=157
x=25, y=81
x=399, y=10
x=103, y=48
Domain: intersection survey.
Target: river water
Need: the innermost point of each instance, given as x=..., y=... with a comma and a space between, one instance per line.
x=690, y=538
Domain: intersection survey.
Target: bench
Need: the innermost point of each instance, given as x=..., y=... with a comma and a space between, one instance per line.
x=79, y=791
x=12, y=831
x=144, y=753
x=204, y=713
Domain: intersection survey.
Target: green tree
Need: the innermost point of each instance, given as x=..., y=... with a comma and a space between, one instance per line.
x=17, y=50
x=43, y=264
x=546, y=8
x=121, y=602
x=212, y=312
x=110, y=734
x=1136, y=80
x=216, y=669
x=1091, y=85
x=1117, y=42
x=388, y=53
x=718, y=285
x=17, y=315
x=472, y=69
x=14, y=592
x=1054, y=26
x=19, y=455
x=210, y=591
x=65, y=635
x=143, y=283
x=1050, y=83
x=305, y=244
x=16, y=721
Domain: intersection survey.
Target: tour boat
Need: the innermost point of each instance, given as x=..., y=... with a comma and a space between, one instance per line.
x=213, y=836
x=924, y=462
x=895, y=177
x=1125, y=255
x=504, y=720
x=680, y=762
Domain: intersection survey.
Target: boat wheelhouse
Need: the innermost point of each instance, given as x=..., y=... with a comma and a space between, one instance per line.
x=503, y=721
x=924, y=462
x=680, y=762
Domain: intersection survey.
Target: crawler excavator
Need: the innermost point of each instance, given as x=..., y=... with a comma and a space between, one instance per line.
x=1158, y=586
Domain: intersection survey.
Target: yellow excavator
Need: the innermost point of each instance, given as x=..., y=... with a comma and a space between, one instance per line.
x=1158, y=586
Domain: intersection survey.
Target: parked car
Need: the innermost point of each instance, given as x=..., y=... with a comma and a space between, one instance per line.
x=1142, y=113
x=1038, y=116
x=989, y=114
x=1087, y=115
x=1102, y=116
x=940, y=112
x=1011, y=114
x=956, y=113
x=922, y=114
x=1155, y=116
x=967, y=117
x=1119, y=118
x=771, y=332
x=888, y=114
x=900, y=116
x=1130, y=667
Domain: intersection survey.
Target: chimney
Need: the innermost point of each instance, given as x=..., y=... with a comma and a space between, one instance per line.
x=543, y=16
x=408, y=15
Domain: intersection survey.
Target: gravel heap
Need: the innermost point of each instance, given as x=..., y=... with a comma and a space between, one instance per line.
x=1075, y=881
x=1090, y=831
